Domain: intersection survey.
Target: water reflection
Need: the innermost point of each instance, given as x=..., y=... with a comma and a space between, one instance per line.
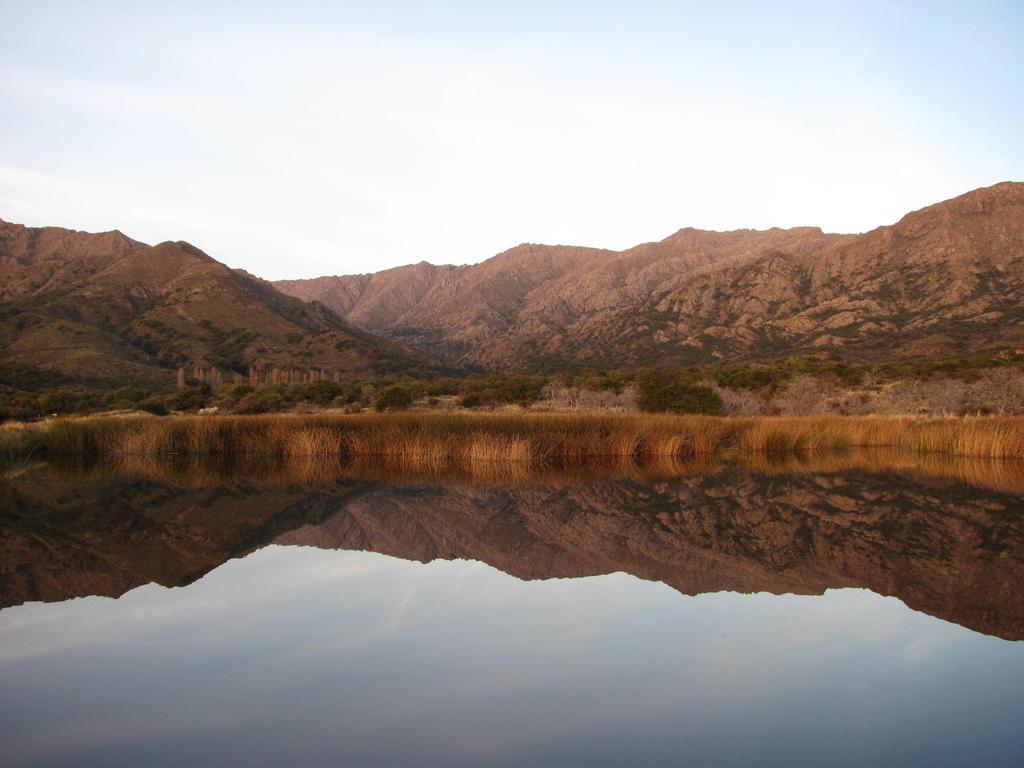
x=364, y=615
x=945, y=538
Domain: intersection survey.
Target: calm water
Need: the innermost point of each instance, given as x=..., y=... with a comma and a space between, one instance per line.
x=844, y=614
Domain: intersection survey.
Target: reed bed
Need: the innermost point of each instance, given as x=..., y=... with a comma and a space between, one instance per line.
x=432, y=440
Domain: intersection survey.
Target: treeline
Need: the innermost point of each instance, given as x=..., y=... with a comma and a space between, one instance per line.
x=794, y=386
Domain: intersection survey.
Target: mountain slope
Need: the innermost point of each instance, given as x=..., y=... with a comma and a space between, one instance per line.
x=105, y=309
x=947, y=279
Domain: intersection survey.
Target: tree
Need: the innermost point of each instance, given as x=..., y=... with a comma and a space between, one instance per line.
x=561, y=398
x=672, y=389
x=1000, y=390
x=743, y=402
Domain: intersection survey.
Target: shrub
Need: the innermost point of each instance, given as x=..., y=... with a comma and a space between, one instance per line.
x=323, y=392
x=739, y=376
x=393, y=398
x=519, y=389
x=472, y=400
x=442, y=387
x=58, y=401
x=131, y=394
x=239, y=391
x=191, y=398
x=913, y=396
x=18, y=405
x=262, y=401
x=674, y=390
x=803, y=395
x=743, y=402
x=561, y=398
x=558, y=397
x=154, y=405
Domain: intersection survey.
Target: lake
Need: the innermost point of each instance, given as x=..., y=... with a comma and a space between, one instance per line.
x=862, y=610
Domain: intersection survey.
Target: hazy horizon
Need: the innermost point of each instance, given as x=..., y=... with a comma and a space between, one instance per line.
x=509, y=247
x=320, y=140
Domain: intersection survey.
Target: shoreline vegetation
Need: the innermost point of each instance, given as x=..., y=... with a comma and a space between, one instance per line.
x=450, y=440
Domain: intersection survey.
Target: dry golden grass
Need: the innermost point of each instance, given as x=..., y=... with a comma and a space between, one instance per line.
x=483, y=447
x=442, y=439
x=312, y=441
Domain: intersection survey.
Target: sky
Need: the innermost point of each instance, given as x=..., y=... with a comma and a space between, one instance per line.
x=307, y=138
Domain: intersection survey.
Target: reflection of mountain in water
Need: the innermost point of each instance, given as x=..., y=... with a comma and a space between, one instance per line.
x=102, y=535
x=944, y=548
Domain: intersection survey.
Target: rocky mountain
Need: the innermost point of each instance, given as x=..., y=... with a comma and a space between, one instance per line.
x=945, y=280
x=942, y=546
x=103, y=308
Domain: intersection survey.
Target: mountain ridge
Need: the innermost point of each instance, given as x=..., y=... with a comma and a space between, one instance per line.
x=699, y=296
x=103, y=308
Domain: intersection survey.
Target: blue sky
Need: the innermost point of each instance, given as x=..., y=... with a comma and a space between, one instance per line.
x=327, y=138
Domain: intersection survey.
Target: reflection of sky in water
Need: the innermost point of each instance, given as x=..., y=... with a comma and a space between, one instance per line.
x=303, y=656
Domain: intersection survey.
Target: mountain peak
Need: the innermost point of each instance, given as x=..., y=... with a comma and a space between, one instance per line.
x=124, y=312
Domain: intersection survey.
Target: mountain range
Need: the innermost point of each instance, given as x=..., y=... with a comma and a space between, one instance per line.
x=947, y=280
